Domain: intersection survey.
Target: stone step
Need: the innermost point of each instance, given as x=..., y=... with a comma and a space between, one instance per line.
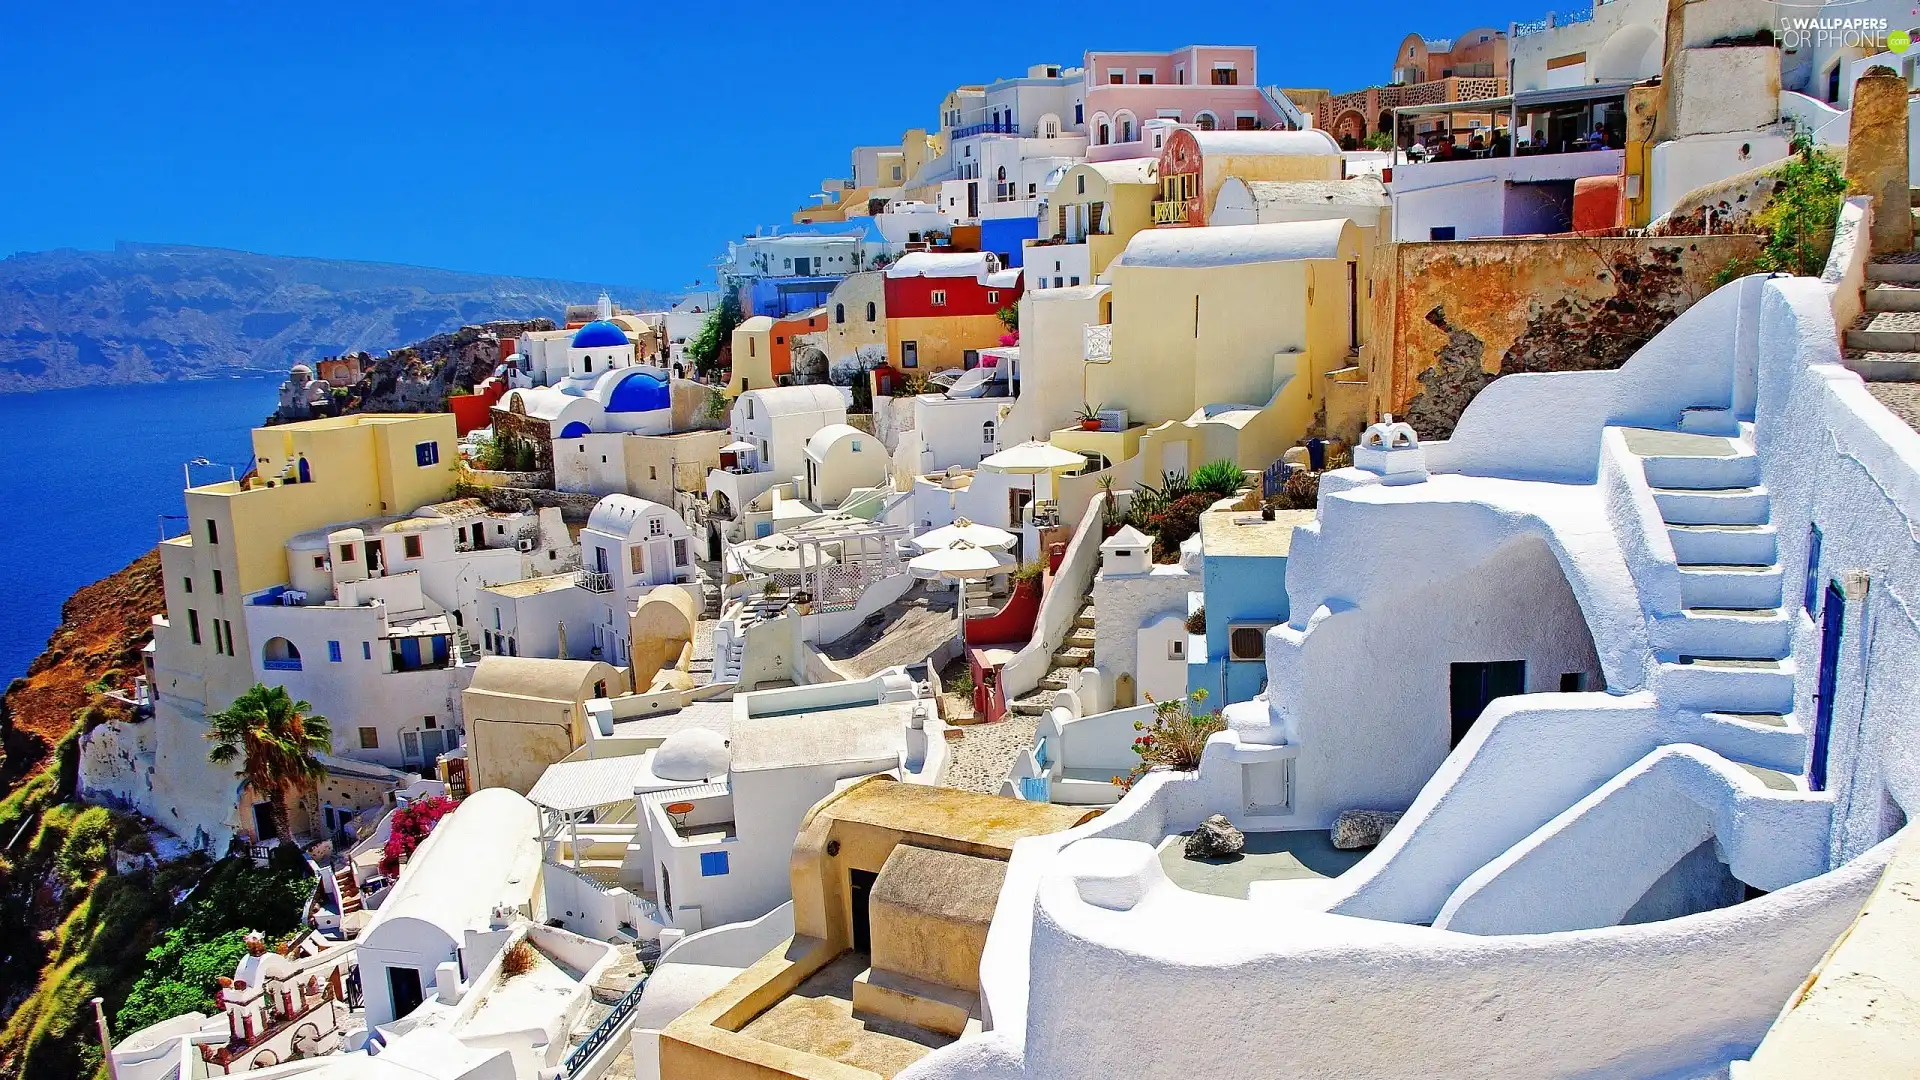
x=1727, y=684
x=1701, y=420
x=1772, y=720
x=1892, y=296
x=1073, y=657
x=1745, y=545
x=1886, y=331
x=1031, y=706
x=1712, y=506
x=1772, y=778
x=1883, y=366
x=1730, y=586
x=1894, y=270
x=1759, y=633
x=1083, y=622
x=1080, y=637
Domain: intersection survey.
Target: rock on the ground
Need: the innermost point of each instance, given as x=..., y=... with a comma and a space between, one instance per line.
x=1215, y=837
x=1355, y=829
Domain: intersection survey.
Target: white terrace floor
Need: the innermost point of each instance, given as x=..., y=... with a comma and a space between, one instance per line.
x=1270, y=856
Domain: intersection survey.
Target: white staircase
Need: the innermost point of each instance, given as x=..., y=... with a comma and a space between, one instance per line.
x=1725, y=654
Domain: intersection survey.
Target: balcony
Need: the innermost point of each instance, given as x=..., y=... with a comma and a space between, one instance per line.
x=1173, y=211
x=991, y=127
x=594, y=581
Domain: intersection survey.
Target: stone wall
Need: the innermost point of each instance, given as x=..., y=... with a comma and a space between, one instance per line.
x=1450, y=317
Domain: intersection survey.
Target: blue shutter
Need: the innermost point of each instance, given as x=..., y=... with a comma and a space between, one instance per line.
x=713, y=864
x=333, y=651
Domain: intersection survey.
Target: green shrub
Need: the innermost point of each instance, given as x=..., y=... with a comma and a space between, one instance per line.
x=1798, y=224
x=1220, y=477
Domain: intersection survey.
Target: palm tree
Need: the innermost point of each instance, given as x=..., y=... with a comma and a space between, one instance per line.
x=278, y=742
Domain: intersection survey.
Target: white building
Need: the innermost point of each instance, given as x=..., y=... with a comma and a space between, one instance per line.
x=1361, y=200
x=600, y=390
x=629, y=547
x=1628, y=652
x=771, y=428
x=476, y=872
x=1617, y=41
x=794, y=255
x=714, y=816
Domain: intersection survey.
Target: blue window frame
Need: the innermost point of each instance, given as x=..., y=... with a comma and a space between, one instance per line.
x=333, y=651
x=1810, y=598
x=426, y=453
x=713, y=864
x=366, y=650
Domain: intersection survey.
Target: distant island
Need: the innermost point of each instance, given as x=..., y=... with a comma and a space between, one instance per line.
x=151, y=312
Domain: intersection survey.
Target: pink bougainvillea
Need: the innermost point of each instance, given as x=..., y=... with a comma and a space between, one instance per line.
x=411, y=824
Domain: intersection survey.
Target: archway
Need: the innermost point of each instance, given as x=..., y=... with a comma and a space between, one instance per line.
x=809, y=365
x=279, y=654
x=1631, y=52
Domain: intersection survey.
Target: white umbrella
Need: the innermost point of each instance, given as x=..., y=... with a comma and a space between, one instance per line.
x=962, y=560
x=985, y=536
x=777, y=553
x=1033, y=457
x=738, y=447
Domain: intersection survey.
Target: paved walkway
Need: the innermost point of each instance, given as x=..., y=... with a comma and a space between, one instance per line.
x=1901, y=398
x=985, y=753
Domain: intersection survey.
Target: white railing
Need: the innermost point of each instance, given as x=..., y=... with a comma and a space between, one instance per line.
x=597, y=581
x=1098, y=343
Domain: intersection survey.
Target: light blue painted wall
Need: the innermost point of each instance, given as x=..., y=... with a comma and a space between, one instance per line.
x=1238, y=589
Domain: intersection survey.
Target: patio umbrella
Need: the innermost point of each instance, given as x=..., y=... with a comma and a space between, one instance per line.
x=780, y=553
x=985, y=536
x=1033, y=457
x=962, y=560
x=737, y=447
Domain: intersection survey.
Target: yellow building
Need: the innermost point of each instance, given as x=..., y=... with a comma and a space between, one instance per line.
x=1092, y=214
x=1225, y=338
x=856, y=316
x=524, y=714
x=305, y=476
x=894, y=886
x=944, y=307
x=752, y=355
x=878, y=172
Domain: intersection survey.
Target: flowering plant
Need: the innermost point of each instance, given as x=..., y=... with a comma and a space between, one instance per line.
x=1175, y=739
x=411, y=824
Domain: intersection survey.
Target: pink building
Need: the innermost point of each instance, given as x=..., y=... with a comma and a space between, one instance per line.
x=1211, y=87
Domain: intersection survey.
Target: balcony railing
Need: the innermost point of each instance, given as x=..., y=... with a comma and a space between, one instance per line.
x=1171, y=211
x=595, y=581
x=991, y=127
x=1098, y=343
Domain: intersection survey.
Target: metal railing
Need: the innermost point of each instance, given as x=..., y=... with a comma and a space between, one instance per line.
x=1097, y=343
x=577, y=1061
x=990, y=127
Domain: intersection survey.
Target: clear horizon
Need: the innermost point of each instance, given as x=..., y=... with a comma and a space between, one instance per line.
x=609, y=145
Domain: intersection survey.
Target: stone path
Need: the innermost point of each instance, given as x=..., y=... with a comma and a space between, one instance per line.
x=985, y=753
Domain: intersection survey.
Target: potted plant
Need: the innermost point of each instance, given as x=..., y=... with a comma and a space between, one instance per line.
x=1089, y=416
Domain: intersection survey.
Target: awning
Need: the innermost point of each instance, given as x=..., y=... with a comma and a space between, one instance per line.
x=582, y=785
x=1526, y=99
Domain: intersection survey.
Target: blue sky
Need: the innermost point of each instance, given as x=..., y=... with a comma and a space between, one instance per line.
x=621, y=143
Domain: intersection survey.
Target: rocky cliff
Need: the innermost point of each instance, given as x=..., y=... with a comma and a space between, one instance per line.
x=146, y=312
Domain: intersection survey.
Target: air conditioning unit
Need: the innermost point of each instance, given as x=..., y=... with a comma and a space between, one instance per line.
x=1113, y=419
x=526, y=544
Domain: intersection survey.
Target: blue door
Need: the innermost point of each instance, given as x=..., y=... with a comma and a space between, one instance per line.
x=1831, y=612
x=764, y=528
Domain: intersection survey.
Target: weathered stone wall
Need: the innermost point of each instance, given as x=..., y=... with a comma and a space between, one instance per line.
x=1451, y=317
x=1877, y=157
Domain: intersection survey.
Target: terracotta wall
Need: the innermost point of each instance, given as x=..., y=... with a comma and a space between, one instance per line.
x=1450, y=317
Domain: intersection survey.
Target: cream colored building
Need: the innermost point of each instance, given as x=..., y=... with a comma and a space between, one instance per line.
x=1090, y=216
x=856, y=317
x=839, y=459
x=524, y=714
x=1230, y=332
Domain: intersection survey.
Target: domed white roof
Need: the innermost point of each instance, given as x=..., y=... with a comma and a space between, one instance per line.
x=692, y=755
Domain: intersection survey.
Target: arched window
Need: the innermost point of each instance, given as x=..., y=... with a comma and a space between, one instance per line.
x=1103, y=135
x=1206, y=121
x=1000, y=174
x=279, y=654
x=839, y=313
x=988, y=431
x=871, y=311
x=589, y=360
x=1127, y=132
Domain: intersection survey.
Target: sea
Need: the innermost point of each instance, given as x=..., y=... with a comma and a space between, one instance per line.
x=101, y=468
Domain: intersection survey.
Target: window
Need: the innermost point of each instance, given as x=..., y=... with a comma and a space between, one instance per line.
x=939, y=298
x=213, y=531
x=679, y=553
x=333, y=651
x=369, y=738
x=839, y=313
x=1116, y=76
x=1206, y=121
x=1105, y=135
x=428, y=453
x=1075, y=280
x=653, y=472
x=637, y=558
x=713, y=864
x=1145, y=78
x=779, y=339
x=1080, y=184
x=988, y=432
x=856, y=446
x=910, y=354
x=366, y=650
x=1176, y=649
x=319, y=562
x=1440, y=232
x=656, y=527
x=346, y=552
x=1077, y=118
x=410, y=546
x=1573, y=682
x=871, y=311
x=187, y=584
x=193, y=626
x=219, y=584
x=1226, y=76
x=993, y=296
x=749, y=408
x=1247, y=643
x=1810, y=597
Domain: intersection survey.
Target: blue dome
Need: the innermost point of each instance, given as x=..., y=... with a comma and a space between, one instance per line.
x=575, y=430
x=599, y=333
x=641, y=391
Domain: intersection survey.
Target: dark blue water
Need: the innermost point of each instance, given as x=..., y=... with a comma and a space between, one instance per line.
x=86, y=475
